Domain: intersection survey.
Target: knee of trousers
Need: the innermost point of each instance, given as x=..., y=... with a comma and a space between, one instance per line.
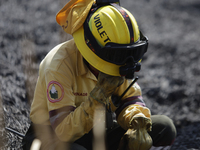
x=163, y=130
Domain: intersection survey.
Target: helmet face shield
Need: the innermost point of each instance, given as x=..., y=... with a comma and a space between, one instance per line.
x=121, y=54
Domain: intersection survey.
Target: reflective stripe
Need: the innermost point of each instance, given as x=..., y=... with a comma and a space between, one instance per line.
x=130, y=101
x=136, y=99
x=160, y=148
x=58, y=115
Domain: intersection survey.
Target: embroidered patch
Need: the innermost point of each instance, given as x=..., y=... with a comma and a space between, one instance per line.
x=55, y=92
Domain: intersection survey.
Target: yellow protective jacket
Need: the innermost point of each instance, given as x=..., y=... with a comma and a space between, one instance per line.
x=62, y=88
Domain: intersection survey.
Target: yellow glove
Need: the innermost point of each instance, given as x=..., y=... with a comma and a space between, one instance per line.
x=137, y=138
x=99, y=96
x=105, y=86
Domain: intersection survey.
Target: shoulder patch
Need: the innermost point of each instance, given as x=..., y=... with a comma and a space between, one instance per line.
x=55, y=91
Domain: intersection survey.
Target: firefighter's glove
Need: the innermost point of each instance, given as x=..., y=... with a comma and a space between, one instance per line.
x=137, y=137
x=105, y=86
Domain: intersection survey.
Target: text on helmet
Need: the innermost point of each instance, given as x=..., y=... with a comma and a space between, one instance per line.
x=100, y=29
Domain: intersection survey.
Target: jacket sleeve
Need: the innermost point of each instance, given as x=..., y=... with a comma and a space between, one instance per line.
x=131, y=105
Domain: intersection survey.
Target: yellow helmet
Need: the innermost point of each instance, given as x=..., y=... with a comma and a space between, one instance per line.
x=109, y=38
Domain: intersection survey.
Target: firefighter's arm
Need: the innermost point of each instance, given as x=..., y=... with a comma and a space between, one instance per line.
x=134, y=116
x=70, y=122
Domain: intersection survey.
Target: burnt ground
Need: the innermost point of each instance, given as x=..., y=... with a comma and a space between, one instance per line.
x=170, y=75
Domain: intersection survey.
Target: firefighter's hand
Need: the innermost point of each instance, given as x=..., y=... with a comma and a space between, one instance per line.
x=137, y=137
x=105, y=86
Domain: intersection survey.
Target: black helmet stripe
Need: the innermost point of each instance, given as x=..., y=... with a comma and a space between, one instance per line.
x=127, y=19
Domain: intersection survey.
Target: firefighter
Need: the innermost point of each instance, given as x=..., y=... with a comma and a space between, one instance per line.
x=89, y=74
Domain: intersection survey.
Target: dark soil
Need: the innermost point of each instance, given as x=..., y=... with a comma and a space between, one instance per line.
x=170, y=75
